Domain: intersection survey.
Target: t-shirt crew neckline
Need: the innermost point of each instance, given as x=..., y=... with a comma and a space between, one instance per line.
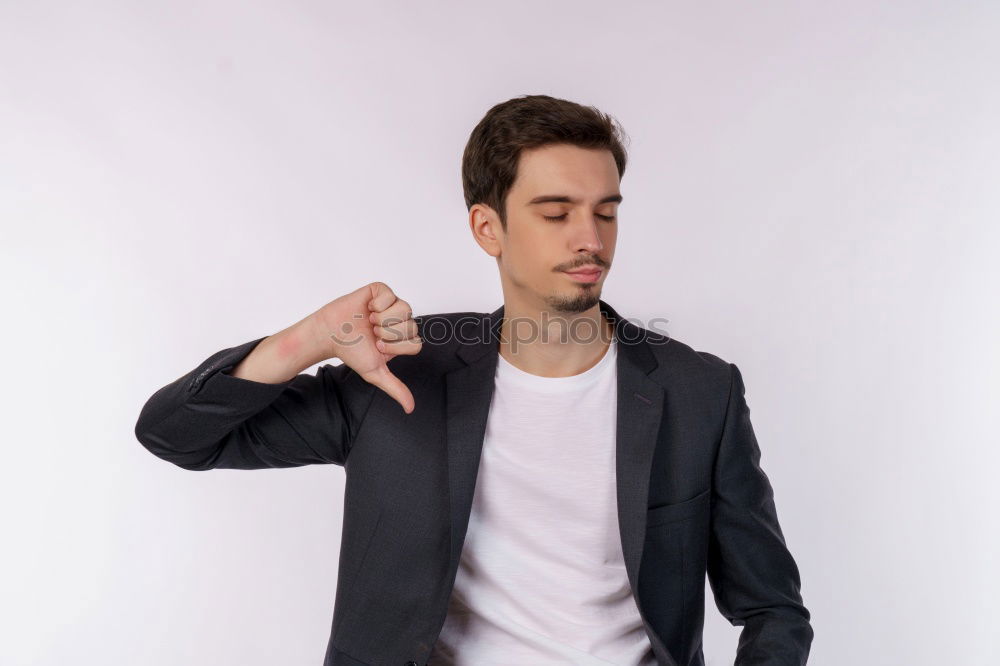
x=511, y=372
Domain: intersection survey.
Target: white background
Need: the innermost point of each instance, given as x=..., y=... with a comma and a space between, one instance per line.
x=812, y=194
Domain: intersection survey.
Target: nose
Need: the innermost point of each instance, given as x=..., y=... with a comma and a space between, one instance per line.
x=586, y=236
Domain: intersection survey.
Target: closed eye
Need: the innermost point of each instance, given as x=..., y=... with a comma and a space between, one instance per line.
x=606, y=218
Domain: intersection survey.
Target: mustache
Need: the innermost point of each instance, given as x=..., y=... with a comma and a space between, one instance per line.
x=600, y=263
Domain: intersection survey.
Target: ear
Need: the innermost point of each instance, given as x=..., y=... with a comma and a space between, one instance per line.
x=485, y=225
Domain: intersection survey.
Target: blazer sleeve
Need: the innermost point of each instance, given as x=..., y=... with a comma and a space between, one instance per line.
x=752, y=574
x=209, y=419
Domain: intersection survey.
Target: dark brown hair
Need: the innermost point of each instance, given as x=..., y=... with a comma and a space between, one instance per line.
x=489, y=163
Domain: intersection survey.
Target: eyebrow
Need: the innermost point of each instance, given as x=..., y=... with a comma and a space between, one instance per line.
x=562, y=198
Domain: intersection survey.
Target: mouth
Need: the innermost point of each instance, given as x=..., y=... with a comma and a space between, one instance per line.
x=585, y=275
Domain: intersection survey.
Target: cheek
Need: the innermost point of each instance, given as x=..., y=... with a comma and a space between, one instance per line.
x=531, y=250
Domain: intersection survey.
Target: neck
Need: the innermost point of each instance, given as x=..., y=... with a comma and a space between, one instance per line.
x=552, y=343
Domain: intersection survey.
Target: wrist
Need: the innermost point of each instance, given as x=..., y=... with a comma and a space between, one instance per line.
x=314, y=342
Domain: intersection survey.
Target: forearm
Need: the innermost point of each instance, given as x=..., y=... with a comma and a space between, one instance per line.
x=775, y=637
x=282, y=356
x=185, y=421
x=210, y=419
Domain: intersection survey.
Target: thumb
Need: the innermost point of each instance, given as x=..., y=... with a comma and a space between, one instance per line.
x=391, y=384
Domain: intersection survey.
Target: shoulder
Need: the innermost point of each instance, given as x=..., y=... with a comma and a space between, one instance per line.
x=682, y=358
x=685, y=370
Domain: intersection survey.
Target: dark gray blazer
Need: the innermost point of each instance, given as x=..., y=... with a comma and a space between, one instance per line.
x=692, y=497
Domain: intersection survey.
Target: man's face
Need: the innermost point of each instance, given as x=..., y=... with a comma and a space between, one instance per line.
x=561, y=216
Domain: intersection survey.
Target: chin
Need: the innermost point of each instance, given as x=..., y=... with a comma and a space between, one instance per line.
x=583, y=300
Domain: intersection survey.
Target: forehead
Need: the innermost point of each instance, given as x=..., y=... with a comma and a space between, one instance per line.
x=565, y=169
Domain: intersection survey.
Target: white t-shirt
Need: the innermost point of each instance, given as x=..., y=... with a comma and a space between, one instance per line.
x=542, y=576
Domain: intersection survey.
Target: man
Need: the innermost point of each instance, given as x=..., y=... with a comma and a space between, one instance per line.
x=545, y=484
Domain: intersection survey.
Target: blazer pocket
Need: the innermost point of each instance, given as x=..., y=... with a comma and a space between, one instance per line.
x=669, y=513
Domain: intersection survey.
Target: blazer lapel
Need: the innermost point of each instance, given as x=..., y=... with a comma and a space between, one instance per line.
x=640, y=410
x=469, y=392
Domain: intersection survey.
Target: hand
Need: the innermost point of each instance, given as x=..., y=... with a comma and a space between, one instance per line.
x=366, y=329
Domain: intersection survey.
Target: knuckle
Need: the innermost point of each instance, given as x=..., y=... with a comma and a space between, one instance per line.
x=381, y=289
